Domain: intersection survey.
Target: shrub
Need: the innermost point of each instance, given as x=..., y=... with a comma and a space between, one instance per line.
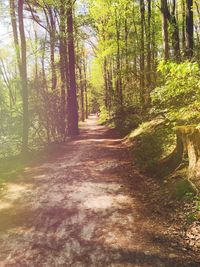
x=179, y=95
x=152, y=144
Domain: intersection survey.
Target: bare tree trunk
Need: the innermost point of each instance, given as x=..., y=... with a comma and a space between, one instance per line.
x=189, y=29
x=82, y=99
x=72, y=98
x=183, y=26
x=171, y=17
x=52, y=48
x=85, y=86
x=15, y=33
x=105, y=83
x=63, y=52
x=24, y=82
x=165, y=29
x=142, y=82
x=148, y=74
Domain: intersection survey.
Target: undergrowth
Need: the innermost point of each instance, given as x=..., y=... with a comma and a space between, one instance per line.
x=153, y=141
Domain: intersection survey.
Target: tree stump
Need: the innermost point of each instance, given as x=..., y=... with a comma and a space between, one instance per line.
x=189, y=139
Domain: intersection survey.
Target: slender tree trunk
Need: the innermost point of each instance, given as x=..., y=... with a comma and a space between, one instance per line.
x=85, y=86
x=154, y=48
x=105, y=72
x=189, y=29
x=63, y=52
x=105, y=83
x=82, y=100
x=71, y=98
x=126, y=41
x=142, y=82
x=52, y=49
x=175, y=33
x=148, y=74
x=24, y=82
x=183, y=26
x=165, y=29
x=15, y=33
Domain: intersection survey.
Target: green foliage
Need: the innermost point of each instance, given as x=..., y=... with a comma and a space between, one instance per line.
x=193, y=216
x=104, y=115
x=126, y=121
x=10, y=167
x=152, y=143
x=179, y=96
x=181, y=188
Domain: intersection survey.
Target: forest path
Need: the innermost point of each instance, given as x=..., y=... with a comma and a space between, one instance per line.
x=86, y=205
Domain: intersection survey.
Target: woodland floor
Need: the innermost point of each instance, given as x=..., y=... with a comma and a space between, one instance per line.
x=86, y=205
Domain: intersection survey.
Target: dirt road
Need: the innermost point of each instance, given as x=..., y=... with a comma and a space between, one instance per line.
x=85, y=205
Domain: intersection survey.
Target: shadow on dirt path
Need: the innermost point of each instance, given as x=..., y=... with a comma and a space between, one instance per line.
x=84, y=206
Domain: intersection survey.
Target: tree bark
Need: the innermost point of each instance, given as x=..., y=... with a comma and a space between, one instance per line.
x=142, y=82
x=85, y=85
x=63, y=66
x=24, y=82
x=191, y=141
x=15, y=33
x=175, y=33
x=148, y=73
x=183, y=26
x=52, y=48
x=165, y=29
x=171, y=17
x=72, y=105
x=189, y=29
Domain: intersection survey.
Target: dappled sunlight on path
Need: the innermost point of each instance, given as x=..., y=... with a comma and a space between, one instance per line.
x=79, y=209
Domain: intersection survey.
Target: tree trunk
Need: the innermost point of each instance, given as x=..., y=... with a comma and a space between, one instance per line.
x=72, y=105
x=171, y=17
x=24, y=83
x=189, y=29
x=82, y=100
x=85, y=85
x=105, y=83
x=175, y=33
x=15, y=33
x=183, y=26
x=63, y=52
x=148, y=73
x=52, y=49
x=142, y=82
x=165, y=29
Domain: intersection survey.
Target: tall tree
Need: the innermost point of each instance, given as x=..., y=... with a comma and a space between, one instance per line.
x=142, y=52
x=72, y=105
x=183, y=26
x=24, y=81
x=170, y=14
x=20, y=49
x=148, y=73
x=164, y=10
x=63, y=68
x=189, y=28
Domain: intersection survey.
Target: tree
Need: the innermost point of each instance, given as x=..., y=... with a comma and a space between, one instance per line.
x=142, y=58
x=189, y=29
x=24, y=81
x=72, y=105
x=22, y=65
x=164, y=11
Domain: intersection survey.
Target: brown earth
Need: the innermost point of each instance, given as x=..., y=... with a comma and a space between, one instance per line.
x=86, y=205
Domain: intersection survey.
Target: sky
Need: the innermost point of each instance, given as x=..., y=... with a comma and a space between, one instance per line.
x=5, y=29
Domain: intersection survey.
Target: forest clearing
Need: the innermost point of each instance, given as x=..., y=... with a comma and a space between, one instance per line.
x=99, y=133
